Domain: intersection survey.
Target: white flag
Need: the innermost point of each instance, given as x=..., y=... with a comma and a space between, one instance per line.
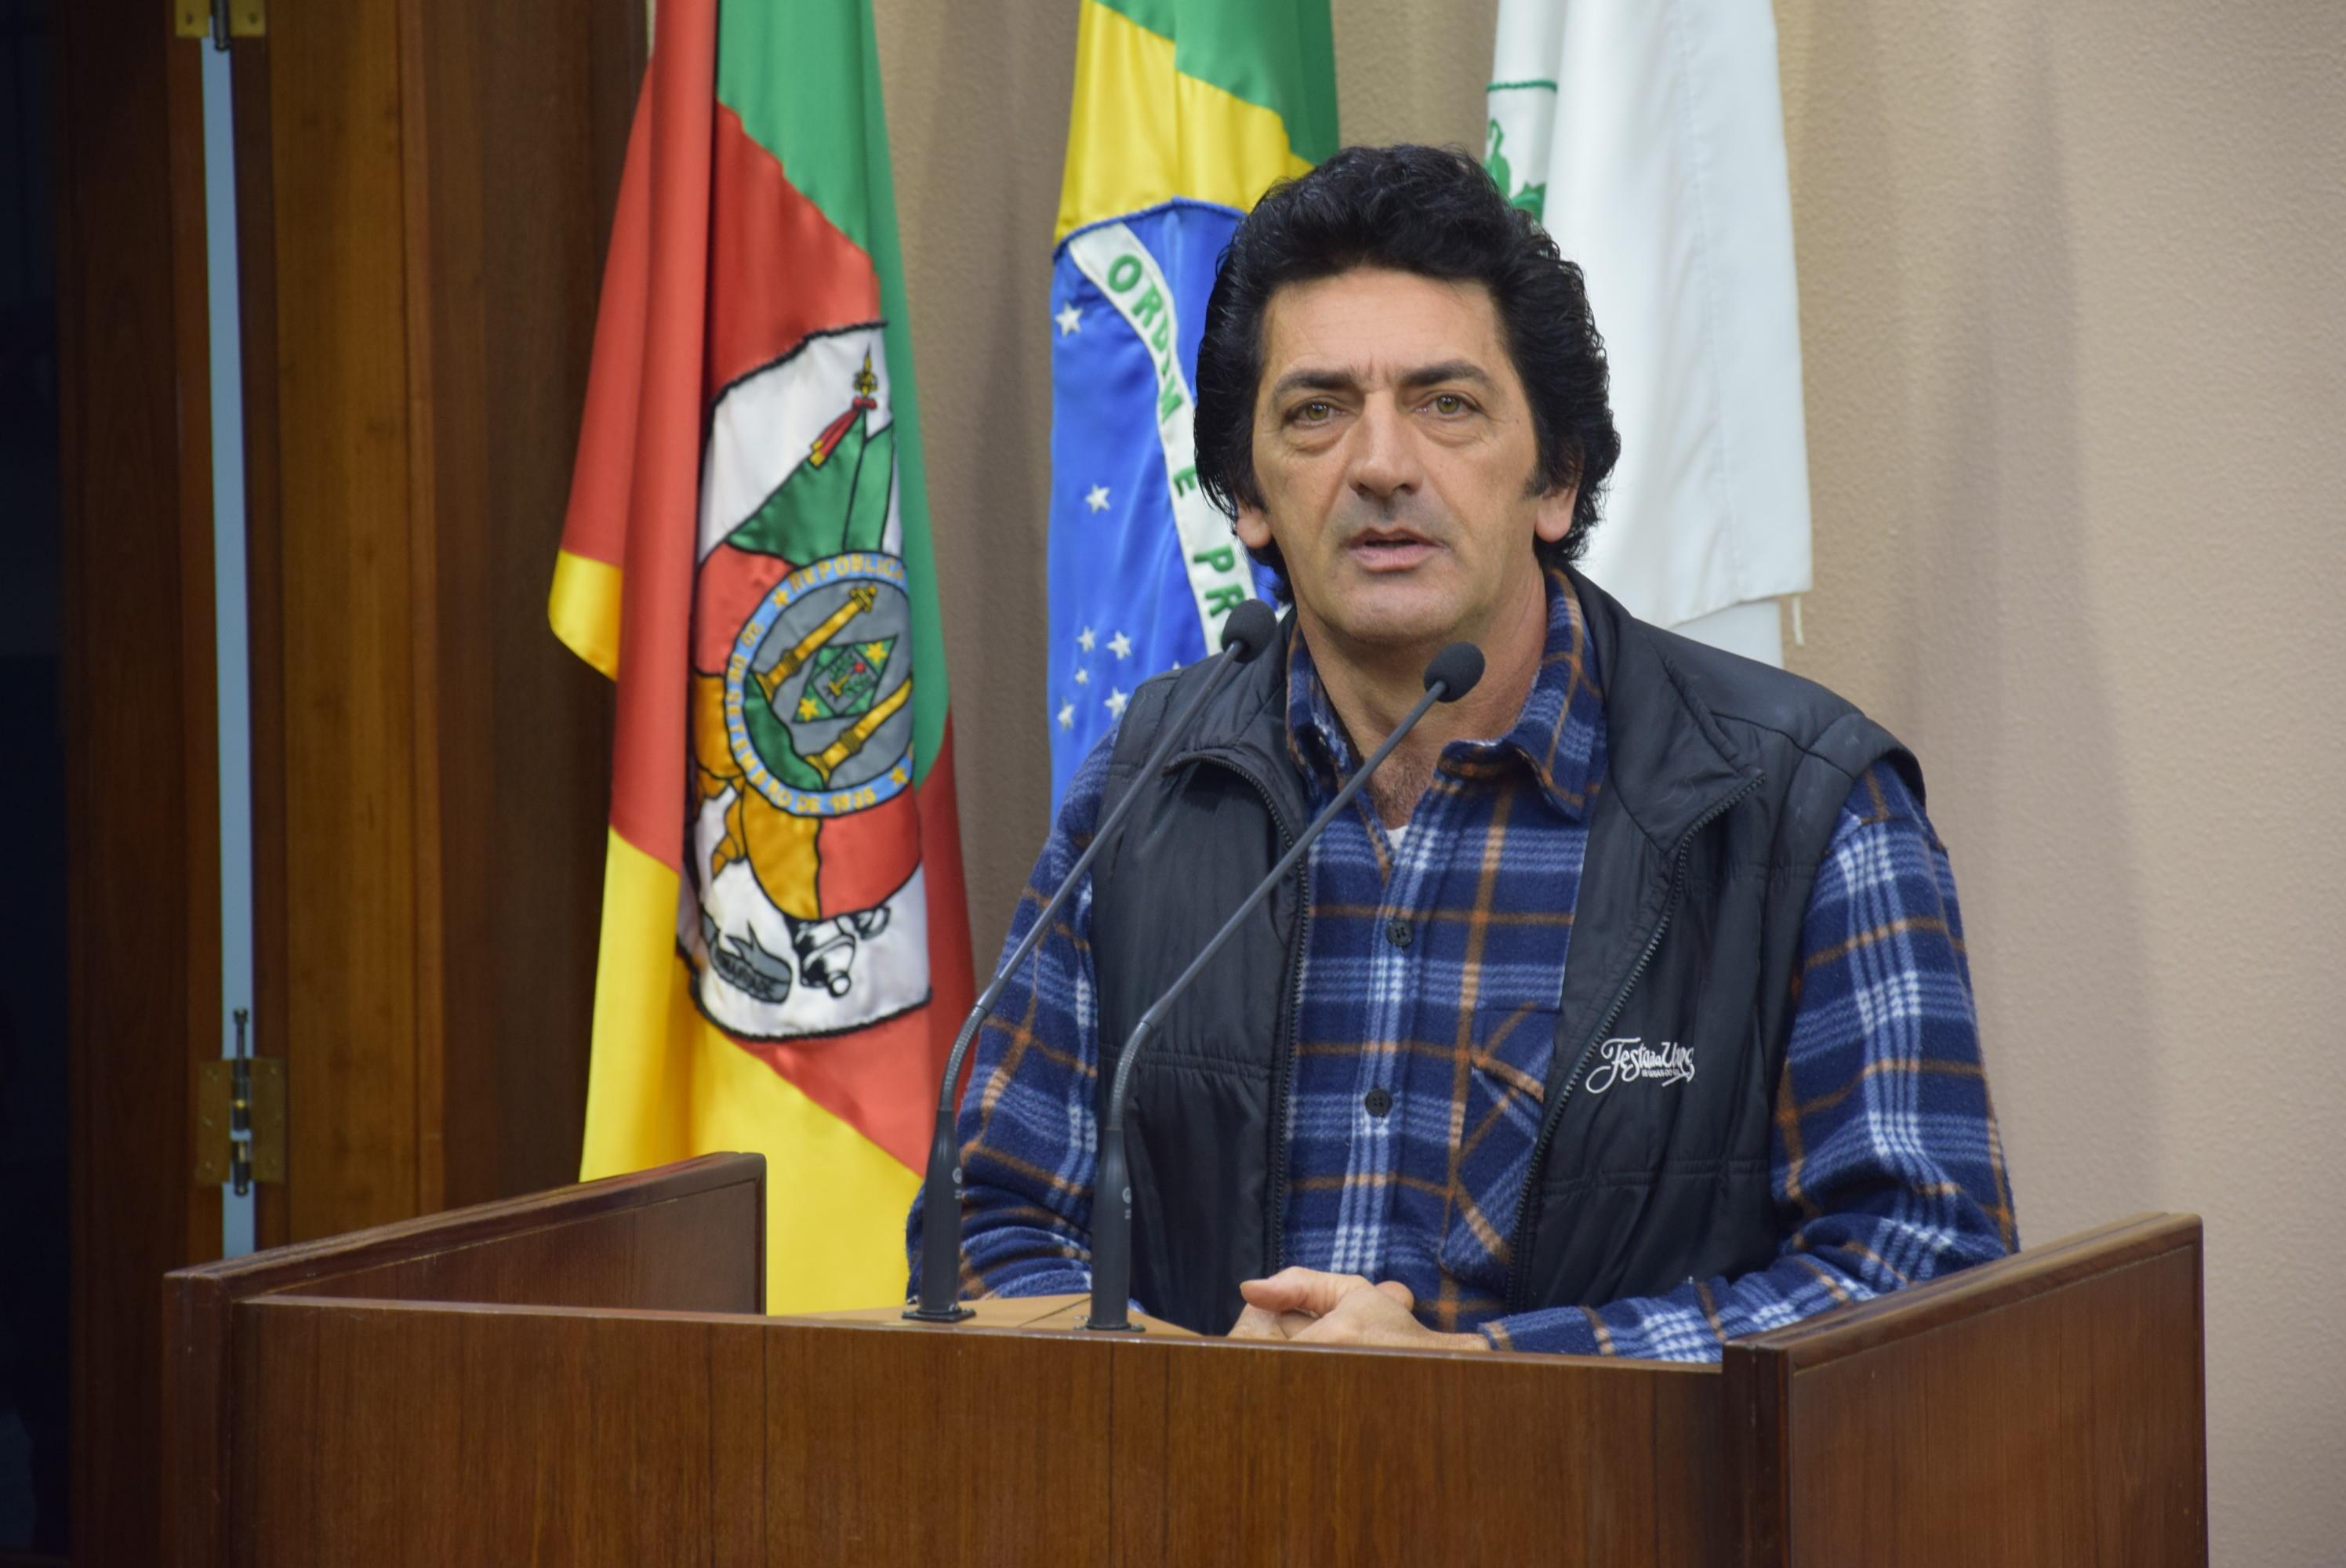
x=1649, y=137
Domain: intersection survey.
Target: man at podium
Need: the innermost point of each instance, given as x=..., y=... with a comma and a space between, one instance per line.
x=1624, y=1011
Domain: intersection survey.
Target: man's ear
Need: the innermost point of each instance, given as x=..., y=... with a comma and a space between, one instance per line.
x=1551, y=513
x=1253, y=526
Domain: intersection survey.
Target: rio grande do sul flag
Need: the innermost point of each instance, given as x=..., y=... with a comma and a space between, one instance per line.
x=1185, y=112
x=785, y=951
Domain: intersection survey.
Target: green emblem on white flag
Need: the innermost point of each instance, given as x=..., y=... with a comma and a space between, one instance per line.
x=1647, y=137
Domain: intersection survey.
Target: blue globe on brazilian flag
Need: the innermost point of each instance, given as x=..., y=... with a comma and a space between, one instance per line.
x=1186, y=111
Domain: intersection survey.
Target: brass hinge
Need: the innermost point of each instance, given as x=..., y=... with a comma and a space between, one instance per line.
x=219, y=20
x=241, y=1117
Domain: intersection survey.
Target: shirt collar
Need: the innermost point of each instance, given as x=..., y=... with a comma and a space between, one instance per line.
x=1558, y=735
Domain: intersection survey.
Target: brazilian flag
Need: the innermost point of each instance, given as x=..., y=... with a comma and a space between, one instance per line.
x=1186, y=111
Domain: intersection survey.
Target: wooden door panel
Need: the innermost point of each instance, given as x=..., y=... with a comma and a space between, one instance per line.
x=527, y=106
x=142, y=910
x=354, y=749
x=441, y=176
x=424, y=192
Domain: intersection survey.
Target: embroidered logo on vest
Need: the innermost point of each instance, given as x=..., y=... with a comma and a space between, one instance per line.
x=1626, y=1061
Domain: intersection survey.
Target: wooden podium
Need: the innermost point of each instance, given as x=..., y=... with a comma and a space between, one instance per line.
x=584, y=1376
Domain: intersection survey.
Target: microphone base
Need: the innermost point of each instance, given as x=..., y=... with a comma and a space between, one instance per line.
x=1127, y=1326
x=952, y=1314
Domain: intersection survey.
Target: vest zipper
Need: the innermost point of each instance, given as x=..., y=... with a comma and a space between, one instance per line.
x=1519, y=1234
x=1282, y=1068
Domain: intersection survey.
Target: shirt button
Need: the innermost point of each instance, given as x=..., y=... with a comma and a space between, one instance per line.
x=1398, y=932
x=1378, y=1100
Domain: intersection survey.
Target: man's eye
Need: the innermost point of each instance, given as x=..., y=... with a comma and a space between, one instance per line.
x=1312, y=413
x=1447, y=403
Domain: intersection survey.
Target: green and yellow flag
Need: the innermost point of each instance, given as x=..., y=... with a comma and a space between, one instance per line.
x=785, y=952
x=1185, y=112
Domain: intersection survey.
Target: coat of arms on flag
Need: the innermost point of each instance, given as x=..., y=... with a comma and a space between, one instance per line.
x=801, y=714
x=785, y=953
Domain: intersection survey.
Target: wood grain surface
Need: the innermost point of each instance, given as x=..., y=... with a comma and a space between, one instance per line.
x=513, y=122
x=1058, y=1313
x=2048, y=1409
x=687, y=1236
x=2043, y=1410
x=492, y=1434
x=142, y=914
x=423, y=198
x=347, y=669
x=426, y=192
x=432, y=1435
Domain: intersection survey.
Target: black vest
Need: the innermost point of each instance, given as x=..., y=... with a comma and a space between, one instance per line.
x=1724, y=785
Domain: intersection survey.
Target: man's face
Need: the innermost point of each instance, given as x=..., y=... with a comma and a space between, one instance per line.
x=1394, y=450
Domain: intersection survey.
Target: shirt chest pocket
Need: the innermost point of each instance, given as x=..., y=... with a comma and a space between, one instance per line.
x=1496, y=1113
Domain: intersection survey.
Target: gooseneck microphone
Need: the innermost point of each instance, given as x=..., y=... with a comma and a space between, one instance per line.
x=1245, y=632
x=1450, y=676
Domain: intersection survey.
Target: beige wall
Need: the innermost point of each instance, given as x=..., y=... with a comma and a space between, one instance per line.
x=2070, y=283
x=978, y=123
x=2071, y=287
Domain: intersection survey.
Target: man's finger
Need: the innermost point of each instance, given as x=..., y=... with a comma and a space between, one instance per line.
x=1354, y=1321
x=1300, y=1290
x=1398, y=1292
x=1367, y=1317
x=1254, y=1323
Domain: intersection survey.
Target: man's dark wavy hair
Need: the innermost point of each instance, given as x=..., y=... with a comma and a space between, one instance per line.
x=1432, y=211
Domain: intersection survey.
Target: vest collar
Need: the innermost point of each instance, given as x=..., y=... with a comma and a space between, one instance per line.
x=1668, y=763
x=1244, y=729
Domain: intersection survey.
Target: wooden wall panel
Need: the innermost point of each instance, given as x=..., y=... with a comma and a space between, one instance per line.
x=198, y=798
x=380, y=577
x=142, y=910
x=525, y=108
x=430, y=766
x=354, y=748
x=433, y=182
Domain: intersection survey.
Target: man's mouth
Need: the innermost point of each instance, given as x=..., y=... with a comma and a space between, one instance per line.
x=1388, y=549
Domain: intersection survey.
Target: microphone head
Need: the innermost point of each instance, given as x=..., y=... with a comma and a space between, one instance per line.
x=1248, y=629
x=1457, y=668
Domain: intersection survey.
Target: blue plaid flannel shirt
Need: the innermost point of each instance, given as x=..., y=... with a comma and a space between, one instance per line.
x=1431, y=977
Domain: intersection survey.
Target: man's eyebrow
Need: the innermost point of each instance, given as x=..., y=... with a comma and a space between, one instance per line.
x=1313, y=378
x=1447, y=371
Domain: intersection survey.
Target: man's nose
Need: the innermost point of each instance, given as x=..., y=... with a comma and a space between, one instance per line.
x=1384, y=457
